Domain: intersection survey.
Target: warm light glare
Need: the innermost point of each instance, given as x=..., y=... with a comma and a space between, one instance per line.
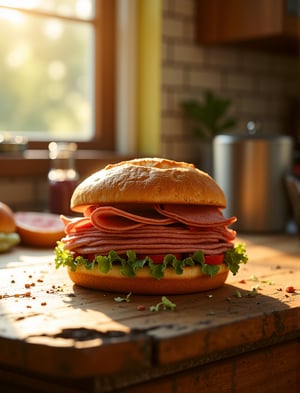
x=12, y=16
x=46, y=79
x=83, y=8
x=28, y=4
x=53, y=29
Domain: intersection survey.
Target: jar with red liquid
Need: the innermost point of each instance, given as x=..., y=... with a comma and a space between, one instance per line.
x=62, y=176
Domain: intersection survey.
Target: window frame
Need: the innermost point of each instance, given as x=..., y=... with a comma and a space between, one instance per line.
x=105, y=75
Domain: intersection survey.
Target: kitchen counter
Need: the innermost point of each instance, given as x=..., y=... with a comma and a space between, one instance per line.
x=242, y=337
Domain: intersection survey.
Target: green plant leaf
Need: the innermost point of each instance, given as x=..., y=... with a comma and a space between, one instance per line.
x=228, y=123
x=209, y=116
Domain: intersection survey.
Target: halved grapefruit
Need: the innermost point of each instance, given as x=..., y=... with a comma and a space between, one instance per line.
x=39, y=229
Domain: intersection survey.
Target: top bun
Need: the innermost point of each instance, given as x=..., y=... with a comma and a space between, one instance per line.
x=7, y=220
x=148, y=180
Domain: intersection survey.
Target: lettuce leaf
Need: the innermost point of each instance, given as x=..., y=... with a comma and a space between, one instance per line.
x=235, y=256
x=210, y=270
x=165, y=303
x=129, y=263
x=8, y=240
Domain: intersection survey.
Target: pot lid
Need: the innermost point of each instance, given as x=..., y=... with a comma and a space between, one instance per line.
x=253, y=132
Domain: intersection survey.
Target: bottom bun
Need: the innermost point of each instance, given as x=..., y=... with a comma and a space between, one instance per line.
x=190, y=281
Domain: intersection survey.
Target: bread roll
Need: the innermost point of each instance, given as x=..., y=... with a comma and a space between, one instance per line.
x=191, y=280
x=7, y=220
x=148, y=180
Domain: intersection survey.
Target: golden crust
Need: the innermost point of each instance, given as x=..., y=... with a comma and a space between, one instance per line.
x=191, y=281
x=148, y=180
x=7, y=220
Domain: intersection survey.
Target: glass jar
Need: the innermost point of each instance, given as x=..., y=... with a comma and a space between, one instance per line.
x=62, y=176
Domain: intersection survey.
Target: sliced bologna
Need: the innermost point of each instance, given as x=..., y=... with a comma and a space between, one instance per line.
x=213, y=249
x=195, y=215
x=150, y=239
x=163, y=229
x=76, y=224
x=113, y=219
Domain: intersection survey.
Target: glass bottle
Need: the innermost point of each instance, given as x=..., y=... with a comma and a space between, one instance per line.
x=62, y=176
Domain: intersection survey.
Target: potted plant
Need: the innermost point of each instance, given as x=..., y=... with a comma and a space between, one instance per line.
x=208, y=119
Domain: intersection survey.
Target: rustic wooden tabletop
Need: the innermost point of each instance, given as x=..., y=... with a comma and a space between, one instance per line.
x=84, y=333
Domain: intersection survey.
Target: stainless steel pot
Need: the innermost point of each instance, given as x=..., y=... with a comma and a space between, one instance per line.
x=251, y=170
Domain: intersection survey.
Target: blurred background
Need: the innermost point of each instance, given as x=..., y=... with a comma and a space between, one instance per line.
x=112, y=76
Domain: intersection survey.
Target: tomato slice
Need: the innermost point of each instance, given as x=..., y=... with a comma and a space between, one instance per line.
x=158, y=258
x=91, y=257
x=214, y=259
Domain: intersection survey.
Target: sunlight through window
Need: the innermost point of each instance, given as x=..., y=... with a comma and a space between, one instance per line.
x=46, y=71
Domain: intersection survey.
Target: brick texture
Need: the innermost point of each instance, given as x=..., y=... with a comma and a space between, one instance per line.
x=260, y=84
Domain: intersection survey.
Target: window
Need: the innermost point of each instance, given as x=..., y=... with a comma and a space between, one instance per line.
x=57, y=71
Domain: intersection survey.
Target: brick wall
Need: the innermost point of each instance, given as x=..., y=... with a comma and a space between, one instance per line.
x=24, y=193
x=260, y=84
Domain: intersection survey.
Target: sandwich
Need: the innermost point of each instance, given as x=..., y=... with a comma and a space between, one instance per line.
x=8, y=234
x=149, y=226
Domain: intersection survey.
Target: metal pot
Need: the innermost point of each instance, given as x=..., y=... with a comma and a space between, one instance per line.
x=251, y=170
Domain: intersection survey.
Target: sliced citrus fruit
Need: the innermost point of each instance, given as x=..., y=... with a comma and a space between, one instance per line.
x=39, y=229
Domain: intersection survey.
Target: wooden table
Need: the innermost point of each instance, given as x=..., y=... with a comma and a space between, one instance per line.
x=243, y=337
